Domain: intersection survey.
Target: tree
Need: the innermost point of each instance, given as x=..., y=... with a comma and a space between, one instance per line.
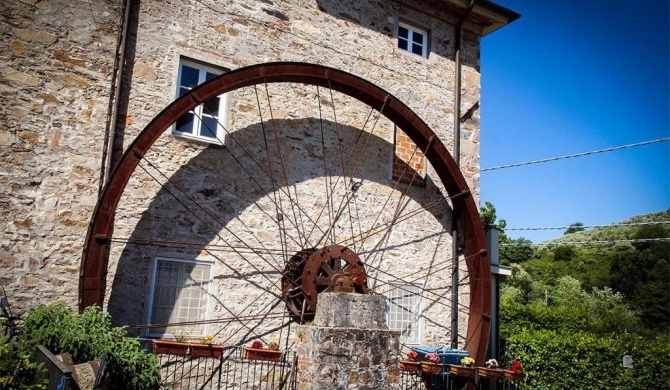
x=516, y=251
x=512, y=251
x=488, y=216
x=574, y=228
x=563, y=253
x=643, y=276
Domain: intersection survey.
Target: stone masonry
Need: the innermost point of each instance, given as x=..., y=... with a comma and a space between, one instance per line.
x=55, y=81
x=55, y=78
x=349, y=346
x=357, y=37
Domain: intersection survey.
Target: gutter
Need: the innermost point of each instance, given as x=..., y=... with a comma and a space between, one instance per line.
x=455, y=275
x=113, y=108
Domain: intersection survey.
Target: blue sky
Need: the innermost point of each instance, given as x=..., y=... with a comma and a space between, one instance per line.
x=570, y=77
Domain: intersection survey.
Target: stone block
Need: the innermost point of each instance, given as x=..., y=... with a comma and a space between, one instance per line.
x=30, y=35
x=19, y=77
x=348, y=310
x=17, y=46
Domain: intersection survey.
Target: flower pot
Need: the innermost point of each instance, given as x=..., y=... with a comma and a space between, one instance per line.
x=206, y=350
x=513, y=376
x=170, y=347
x=468, y=372
x=494, y=373
x=432, y=368
x=409, y=366
x=262, y=354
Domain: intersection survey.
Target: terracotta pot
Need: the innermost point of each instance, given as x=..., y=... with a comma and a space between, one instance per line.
x=170, y=347
x=494, y=373
x=409, y=366
x=262, y=354
x=468, y=372
x=432, y=368
x=206, y=350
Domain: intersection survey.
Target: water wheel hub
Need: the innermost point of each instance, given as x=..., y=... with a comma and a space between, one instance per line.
x=310, y=272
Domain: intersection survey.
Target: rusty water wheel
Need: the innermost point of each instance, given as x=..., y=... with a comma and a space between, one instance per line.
x=314, y=270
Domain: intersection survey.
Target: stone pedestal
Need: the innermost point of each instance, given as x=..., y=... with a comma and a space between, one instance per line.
x=349, y=346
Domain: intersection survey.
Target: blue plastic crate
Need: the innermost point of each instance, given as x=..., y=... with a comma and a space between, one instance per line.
x=447, y=355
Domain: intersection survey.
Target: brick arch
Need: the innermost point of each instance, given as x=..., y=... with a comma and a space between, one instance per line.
x=92, y=277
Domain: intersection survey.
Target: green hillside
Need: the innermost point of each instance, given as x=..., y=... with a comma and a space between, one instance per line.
x=575, y=305
x=616, y=233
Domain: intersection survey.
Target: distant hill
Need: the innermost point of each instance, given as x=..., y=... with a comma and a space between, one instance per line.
x=614, y=233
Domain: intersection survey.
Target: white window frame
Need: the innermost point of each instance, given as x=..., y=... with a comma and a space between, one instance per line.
x=151, y=295
x=199, y=112
x=410, y=39
x=417, y=320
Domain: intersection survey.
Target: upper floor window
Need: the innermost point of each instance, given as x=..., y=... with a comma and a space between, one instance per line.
x=206, y=121
x=180, y=292
x=413, y=39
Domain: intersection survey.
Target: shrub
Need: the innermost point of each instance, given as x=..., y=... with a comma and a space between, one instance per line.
x=88, y=336
x=563, y=360
x=17, y=367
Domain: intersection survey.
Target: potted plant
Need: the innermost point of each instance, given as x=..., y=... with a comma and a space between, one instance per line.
x=411, y=363
x=258, y=352
x=491, y=370
x=178, y=345
x=181, y=345
x=207, y=347
x=515, y=371
x=432, y=364
x=466, y=369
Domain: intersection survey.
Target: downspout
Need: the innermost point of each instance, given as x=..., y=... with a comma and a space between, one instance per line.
x=455, y=275
x=113, y=108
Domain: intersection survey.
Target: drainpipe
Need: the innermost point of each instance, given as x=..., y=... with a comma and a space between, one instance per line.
x=113, y=110
x=455, y=275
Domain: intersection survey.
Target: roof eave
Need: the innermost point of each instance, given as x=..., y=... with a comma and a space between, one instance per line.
x=498, y=15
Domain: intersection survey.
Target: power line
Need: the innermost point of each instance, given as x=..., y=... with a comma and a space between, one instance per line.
x=589, y=226
x=595, y=242
x=577, y=154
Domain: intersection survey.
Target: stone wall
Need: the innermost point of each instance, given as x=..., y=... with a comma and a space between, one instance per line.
x=59, y=66
x=357, y=37
x=55, y=77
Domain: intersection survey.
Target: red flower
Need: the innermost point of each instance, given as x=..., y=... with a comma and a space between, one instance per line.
x=516, y=367
x=433, y=357
x=412, y=356
x=257, y=345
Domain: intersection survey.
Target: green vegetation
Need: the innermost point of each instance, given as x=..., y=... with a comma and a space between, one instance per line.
x=18, y=367
x=88, y=336
x=569, y=312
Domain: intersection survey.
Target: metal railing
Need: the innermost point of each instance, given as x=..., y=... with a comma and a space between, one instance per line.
x=445, y=381
x=232, y=370
x=229, y=371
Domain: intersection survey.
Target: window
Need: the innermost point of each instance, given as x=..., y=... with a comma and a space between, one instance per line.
x=207, y=121
x=403, y=312
x=179, y=293
x=413, y=39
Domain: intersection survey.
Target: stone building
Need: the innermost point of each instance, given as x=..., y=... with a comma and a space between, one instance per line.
x=250, y=183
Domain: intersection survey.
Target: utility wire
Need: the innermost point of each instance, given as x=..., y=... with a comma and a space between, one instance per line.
x=576, y=154
x=595, y=242
x=589, y=226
